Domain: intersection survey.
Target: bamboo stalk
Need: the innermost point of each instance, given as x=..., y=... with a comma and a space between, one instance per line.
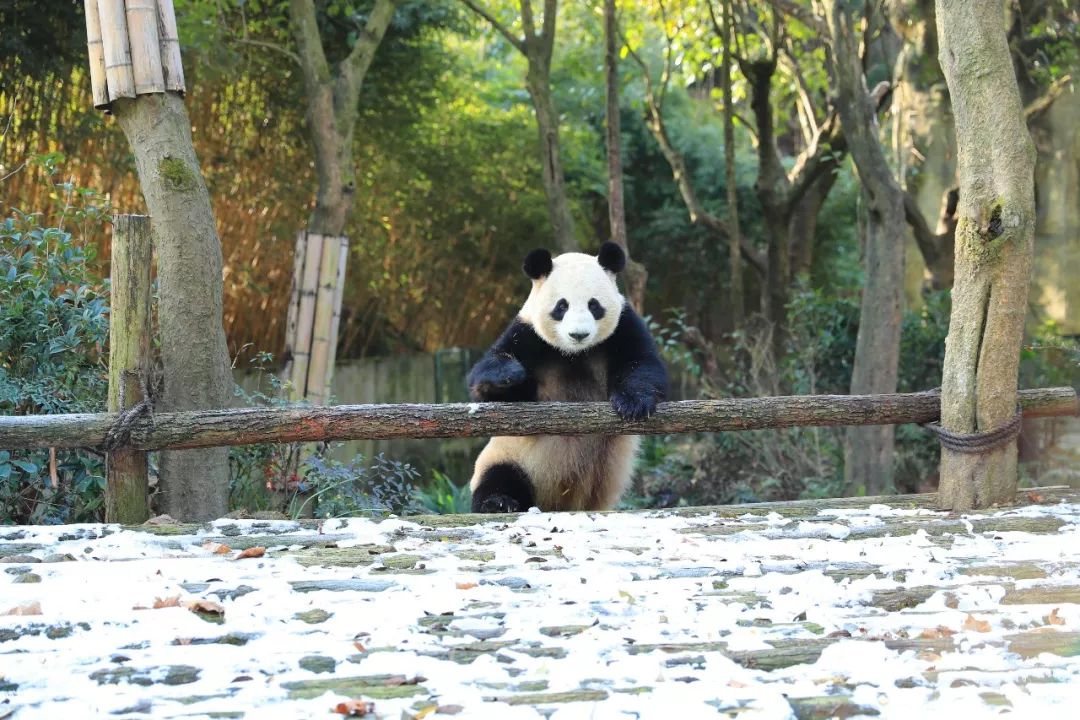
x=96, y=51
x=246, y=426
x=324, y=320
x=305, y=317
x=142, y=22
x=172, y=65
x=129, y=361
x=299, y=256
x=335, y=325
x=117, y=49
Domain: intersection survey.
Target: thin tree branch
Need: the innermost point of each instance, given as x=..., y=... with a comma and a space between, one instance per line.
x=363, y=52
x=306, y=31
x=503, y=30
x=547, y=34
x=528, y=23
x=925, y=238
x=272, y=46
x=1037, y=107
x=804, y=15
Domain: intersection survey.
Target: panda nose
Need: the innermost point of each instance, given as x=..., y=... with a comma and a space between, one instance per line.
x=579, y=336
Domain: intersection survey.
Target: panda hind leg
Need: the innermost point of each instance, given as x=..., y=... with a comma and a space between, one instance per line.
x=503, y=488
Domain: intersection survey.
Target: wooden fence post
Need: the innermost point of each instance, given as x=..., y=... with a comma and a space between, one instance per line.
x=129, y=362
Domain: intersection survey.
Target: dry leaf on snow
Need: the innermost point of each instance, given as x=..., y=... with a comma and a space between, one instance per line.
x=973, y=623
x=466, y=585
x=1054, y=619
x=355, y=708
x=251, y=552
x=216, y=547
x=936, y=633
x=27, y=608
x=206, y=606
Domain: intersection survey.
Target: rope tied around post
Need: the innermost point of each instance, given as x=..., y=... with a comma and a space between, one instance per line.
x=979, y=442
x=120, y=433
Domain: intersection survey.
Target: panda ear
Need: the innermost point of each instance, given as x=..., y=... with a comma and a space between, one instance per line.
x=537, y=264
x=611, y=257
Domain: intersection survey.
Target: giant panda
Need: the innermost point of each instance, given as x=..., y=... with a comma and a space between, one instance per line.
x=575, y=339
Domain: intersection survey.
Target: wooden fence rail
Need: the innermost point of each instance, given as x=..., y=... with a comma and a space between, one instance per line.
x=246, y=426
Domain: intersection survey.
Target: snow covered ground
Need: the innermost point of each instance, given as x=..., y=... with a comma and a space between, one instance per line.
x=776, y=613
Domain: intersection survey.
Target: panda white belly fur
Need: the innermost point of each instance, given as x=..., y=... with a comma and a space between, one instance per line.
x=579, y=472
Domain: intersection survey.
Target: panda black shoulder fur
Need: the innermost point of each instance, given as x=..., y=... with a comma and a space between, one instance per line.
x=576, y=339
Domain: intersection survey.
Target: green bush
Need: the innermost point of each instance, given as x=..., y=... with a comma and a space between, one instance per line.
x=53, y=357
x=443, y=497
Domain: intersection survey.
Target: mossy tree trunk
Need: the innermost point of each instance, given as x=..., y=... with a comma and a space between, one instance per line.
x=194, y=354
x=536, y=44
x=994, y=239
x=868, y=451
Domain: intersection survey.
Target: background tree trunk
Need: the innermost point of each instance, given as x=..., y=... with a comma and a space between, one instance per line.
x=194, y=354
x=332, y=110
x=551, y=170
x=994, y=240
x=735, y=294
x=537, y=47
x=635, y=275
x=868, y=451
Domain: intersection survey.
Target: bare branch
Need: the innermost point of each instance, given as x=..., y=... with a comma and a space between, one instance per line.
x=272, y=46
x=363, y=52
x=805, y=16
x=305, y=30
x=491, y=19
x=1040, y=105
x=925, y=238
x=547, y=34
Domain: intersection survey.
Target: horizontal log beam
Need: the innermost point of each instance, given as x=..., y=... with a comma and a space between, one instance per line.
x=247, y=426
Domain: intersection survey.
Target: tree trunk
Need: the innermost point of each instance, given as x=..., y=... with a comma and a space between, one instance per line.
x=735, y=289
x=194, y=354
x=994, y=240
x=868, y=451
x=635, y=275
x=332, y=110
x=547, y=124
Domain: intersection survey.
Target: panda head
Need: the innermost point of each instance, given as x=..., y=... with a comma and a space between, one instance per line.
x=575, y=303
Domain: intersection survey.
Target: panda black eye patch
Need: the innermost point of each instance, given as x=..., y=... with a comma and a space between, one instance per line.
x=560, y=309
x=596, y=309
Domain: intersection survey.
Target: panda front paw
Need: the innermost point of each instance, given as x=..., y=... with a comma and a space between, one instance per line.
x=631, y=406
x=494, y=374
x=498, y=504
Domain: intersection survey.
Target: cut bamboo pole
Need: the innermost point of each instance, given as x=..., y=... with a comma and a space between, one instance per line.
x=305, y=316
x=247, y=426
x=299, y=256
x=117, y=49
x=326, y=293
x=99, y=85
x=172, y=65
x=129, y=361
x=335, y=325
x=142, y=22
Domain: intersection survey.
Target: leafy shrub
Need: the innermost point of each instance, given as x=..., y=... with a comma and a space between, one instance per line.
x=348, y=489
x=443, y=497
x=53, y=355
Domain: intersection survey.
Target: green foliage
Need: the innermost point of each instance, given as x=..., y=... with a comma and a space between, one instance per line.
x=255, y=470
x=443, y=497
x=350, y=489
x=54, y=316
